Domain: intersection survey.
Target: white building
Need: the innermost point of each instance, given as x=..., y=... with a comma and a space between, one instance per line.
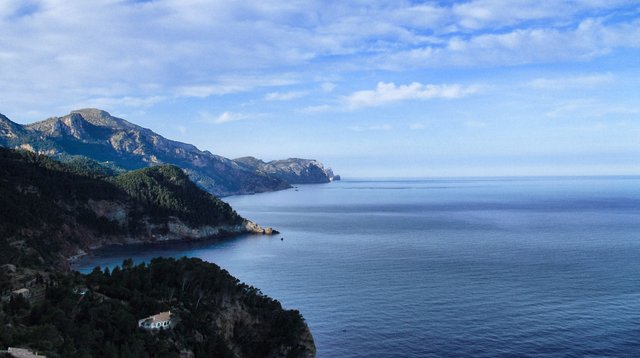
x=22, y=353
x=23, y=292
x=161, y=320
x=81, y=291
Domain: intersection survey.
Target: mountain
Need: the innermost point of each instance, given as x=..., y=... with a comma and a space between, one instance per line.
x=51, y=211
x=8, y=129
x=68, y=209
x=292, y=170
x=97, y=135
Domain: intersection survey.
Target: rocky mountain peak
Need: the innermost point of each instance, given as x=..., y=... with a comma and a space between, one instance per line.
x=101, y=118
x=49, y=126
x=292, y=170
x=251, y=161
x=96, y=134
x=73, y=124
x=8, y=128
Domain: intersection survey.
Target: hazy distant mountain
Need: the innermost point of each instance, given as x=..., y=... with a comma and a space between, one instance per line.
x=98, y=135
x=292, y=170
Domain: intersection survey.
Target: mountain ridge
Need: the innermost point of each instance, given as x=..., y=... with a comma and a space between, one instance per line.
x=292, y=170
x=96, y=134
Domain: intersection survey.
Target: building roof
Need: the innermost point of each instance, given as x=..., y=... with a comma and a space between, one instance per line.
x=23, y=353
x=80, y=290
x=160, y=317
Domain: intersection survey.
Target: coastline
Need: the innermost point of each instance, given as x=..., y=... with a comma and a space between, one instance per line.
x=205, y=234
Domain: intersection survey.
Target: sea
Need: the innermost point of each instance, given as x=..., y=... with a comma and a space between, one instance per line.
x=462, y=267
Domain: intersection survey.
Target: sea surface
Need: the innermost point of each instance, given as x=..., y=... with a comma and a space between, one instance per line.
x=489, y=267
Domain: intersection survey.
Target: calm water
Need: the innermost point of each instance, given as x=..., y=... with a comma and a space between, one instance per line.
x=488, y=267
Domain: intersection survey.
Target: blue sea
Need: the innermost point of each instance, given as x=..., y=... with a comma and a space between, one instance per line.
x=488, y=267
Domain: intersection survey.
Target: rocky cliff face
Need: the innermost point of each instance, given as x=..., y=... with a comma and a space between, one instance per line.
x=292, y=170
x=8, y=129
x=98, y=135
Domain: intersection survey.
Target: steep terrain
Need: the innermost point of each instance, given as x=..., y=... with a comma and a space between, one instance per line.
x=66, y=314
x=50, y=211
x=66, y=209
x=98, y=135
x=292, y=170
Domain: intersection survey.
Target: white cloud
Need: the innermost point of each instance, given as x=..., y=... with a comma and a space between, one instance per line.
x=481, y=14
x=475, y=124
x=235, y=84
x=127, y=101
x=328, y=87
x=285, y=96
x=390, y=92
x=54, y=52
x=588, y=39
x=580, y=82
x=418, y=126
x=224, y=117
x=591, y=108
x=376, y=127
x=492, y=13
x=317, y=109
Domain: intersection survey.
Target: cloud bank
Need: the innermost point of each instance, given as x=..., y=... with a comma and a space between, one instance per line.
x=134, y=54
x=389, y=92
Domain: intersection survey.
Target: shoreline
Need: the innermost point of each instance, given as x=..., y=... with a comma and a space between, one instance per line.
x=250, y=228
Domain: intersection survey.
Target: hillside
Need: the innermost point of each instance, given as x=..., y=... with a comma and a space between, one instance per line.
x=121, y=145
x=62, y=210
x=292, y=170
x=50, y=211
x=66, y=314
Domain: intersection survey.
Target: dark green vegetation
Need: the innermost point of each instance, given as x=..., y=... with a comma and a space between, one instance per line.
x=55, y=208
x=217, y=315
x=49, y=211
x=166, y=190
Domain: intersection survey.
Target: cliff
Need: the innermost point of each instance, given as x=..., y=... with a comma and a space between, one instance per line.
x=292, y=170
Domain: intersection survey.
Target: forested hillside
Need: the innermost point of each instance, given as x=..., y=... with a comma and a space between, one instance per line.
x=51, y=211
x=58, y=209
x=216, y=316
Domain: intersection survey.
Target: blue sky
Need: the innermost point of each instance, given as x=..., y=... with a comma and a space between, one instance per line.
x=371, y=88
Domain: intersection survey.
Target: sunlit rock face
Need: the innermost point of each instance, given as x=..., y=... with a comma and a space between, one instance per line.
x=292, y=170
x=96, y=134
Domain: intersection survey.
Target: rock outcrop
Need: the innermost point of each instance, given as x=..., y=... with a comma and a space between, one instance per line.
x=292, y=170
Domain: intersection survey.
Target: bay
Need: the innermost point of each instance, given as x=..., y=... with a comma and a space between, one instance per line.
x=443, y=267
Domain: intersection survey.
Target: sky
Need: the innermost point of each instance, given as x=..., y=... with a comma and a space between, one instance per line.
x=370, y=88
